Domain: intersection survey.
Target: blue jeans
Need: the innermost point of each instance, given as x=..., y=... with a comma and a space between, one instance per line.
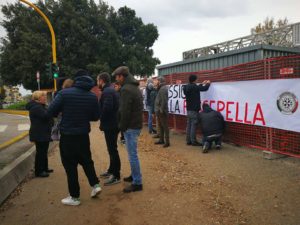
x=192, y=122
x=150, y=113
x=131, y=136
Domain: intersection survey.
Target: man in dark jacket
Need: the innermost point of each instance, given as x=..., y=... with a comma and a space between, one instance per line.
x=150, y=104
x=108, y=107
x=130, y=122
x=162, y=112
x=78, y=106
x=212, y=126
x=193, y=105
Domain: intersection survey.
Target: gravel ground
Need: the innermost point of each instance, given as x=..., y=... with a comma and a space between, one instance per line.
x=182, y=186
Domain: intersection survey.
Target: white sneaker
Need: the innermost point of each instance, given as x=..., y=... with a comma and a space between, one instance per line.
x=70, y=201
x=96, y=190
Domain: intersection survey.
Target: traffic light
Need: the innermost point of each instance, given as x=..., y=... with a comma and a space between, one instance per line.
x=55, y=70
x=49, y=69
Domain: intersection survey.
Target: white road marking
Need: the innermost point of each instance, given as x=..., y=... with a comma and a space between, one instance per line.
x=23, y=127
x=3, y=128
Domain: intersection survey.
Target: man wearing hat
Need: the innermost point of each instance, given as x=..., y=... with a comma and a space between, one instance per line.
x=78, y=106
x=130, y=122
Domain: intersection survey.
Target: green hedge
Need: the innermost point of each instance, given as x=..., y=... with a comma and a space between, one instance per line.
x=18, y=106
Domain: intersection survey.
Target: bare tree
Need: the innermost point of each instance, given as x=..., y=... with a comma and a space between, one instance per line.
x=268, y=24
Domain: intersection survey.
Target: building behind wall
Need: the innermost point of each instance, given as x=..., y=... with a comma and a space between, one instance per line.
x=252, y=62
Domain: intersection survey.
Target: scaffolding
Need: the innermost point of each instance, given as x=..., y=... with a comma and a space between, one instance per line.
x=285, y=36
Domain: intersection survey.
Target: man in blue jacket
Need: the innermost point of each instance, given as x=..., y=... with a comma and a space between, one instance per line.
x=108, y=107
x=78, y=106
x=193, y=105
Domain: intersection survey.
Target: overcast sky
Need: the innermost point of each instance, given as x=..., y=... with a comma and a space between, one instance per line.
x=189, y=24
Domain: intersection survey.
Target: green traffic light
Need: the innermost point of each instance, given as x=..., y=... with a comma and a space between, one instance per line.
x=55, y=75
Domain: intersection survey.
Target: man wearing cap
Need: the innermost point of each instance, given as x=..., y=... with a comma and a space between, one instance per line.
x=78, y=106
x=193, y=105
x=130, y=122
x=161, y=110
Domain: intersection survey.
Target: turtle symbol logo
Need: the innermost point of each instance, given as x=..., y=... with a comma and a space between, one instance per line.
x=287, y=103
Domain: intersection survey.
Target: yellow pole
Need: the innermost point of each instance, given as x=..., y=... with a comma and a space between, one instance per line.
x=51, y=31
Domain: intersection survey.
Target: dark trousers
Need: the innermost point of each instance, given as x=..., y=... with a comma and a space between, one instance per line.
x=74, y=150
x=41, y=157
x=217, y=138
x=111, y=138
x=163, y=124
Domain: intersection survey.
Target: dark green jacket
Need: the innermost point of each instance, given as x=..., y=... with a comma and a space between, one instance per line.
x=161, y=100
x=131, y=105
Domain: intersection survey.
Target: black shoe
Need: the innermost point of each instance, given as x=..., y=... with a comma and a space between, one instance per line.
x=105, y=174
x=166, y=145
x=218, y=147
x=128, y=179
x=49, y=170
x=133, y=188
x=196, y=144
x=205, y=147
x=159, y=142
x=156, y=136
x=112, y=180
x=189, y=143
x=42, y=174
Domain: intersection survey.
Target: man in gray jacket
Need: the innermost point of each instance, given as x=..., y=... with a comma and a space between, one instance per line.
x=161, y=110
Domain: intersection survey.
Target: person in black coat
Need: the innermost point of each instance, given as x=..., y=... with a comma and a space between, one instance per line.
x=193, y=105
x=40, y=132
x=212, y=126
x=108, y=108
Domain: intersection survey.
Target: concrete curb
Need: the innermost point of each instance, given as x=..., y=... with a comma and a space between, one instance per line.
x=15, y=112
x=13, y=140
x=14, y=173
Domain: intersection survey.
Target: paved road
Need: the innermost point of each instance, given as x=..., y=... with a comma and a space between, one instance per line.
x=12, y=125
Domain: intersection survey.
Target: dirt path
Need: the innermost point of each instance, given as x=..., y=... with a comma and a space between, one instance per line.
x=182, y=186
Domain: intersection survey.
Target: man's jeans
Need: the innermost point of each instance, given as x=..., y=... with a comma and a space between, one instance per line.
x=131, y=136
x=150, y=114
x=192, y=122
x=217, y=138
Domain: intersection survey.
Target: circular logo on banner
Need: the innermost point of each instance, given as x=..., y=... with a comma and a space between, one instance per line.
x=287, y=103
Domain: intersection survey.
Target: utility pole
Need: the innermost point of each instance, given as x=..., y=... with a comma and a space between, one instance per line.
x=51, y=31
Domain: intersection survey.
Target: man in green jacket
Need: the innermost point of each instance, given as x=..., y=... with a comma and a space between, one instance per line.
x=130, y=121
x=161, y=110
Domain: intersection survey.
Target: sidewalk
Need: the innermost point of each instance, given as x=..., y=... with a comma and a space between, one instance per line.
x=182, y=186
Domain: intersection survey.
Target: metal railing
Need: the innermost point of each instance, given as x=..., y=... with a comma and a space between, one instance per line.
x=285, y=36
